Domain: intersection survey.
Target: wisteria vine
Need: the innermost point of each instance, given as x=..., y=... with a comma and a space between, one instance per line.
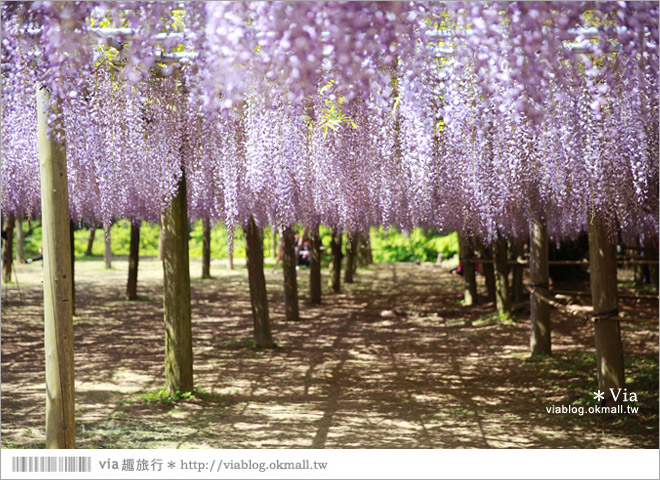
x=459, y=116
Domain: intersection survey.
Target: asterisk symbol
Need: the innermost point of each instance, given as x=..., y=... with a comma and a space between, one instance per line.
x=600, y=396
x=171, y=464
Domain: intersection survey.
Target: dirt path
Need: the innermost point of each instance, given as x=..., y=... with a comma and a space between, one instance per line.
x=390, y=363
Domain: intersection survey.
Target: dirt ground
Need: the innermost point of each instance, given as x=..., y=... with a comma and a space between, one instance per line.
x=395, y=361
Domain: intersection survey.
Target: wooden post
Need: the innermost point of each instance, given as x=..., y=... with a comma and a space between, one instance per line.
x=517, y=287
x=206, y=248
x=72, y=228
x=254, y=249
x=275, y=251
x=650, y=252
x=540, y=337
x=362, y=254
x=315, y=266
x=290, y=280
x=20, y=239
x=486, y=253
x=501, y=267
x=160, y=243
x=176, y=294
x=8, y=252
x=133, y=260
x=609, y=351
x=369, y=252
x=58, y=316
x=351, y=253
x=230, y=259
x=466, y=254
x=90, y=242
x=107, y=253
x=335, y=262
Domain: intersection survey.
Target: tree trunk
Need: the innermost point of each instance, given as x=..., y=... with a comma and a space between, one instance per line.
x=160, y=243
x=315, y=266
x=501, y=267
x=20, y=239
x=639, y=269
x=72, y=228
x=8, y=252
x=351, y=253
x=90, y=242
x=370, y=257
x=486, y=253
x=254, y=250
x=107, y=253
x=275, y=250
x=540, y=338
x=290, y=280
x=230, y=259
x=176, y=295
x=58, y=316
x=650, y=252
x=609, y=351
x=362, y=254
x=133, y=259
x=335, y=261
x=466, y=254
x=206, y=248
x=517, y=288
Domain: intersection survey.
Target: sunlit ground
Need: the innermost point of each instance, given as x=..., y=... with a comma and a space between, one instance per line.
x=392, y=362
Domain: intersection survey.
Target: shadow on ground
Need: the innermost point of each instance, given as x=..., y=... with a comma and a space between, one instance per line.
x=395, y=361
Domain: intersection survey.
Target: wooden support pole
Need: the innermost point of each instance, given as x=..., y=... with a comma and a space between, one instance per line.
x=8, y=250
x=254, y=250
x=107, y=252
x=160, y=243
x=90, y=242
x=602, y=269
x=230, y=257
x=58, y=315
x=176, y=295
x=20, y=239
x=72, y=228
x=315, y=266
x=351, y=254
x=518, y=265
x=275, y=250
x=206, y=248
x=650, y=254
x=540, y=337
x=486, y=259
x=335, y=261
x=133, y=260
x=368, y=252
x=501, y=267
x=465, y=253
x=290, y=280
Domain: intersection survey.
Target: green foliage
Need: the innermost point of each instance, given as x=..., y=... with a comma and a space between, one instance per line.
x=387, y=245
x=33, y=236
x=393, y=246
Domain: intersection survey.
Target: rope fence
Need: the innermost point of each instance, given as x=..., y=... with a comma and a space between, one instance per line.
x=588, y=294
x=580, y=310
x=559, y=262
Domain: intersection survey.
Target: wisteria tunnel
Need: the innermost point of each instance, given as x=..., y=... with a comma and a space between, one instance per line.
x=356, y=224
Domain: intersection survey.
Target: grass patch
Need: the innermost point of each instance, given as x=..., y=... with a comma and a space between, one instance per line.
x=575, y=375
x=163, y=396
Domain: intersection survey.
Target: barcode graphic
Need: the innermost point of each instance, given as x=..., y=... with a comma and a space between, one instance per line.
x=51, y=464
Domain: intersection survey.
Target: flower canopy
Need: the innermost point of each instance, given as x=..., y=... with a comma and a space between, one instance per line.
x=470, y=116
